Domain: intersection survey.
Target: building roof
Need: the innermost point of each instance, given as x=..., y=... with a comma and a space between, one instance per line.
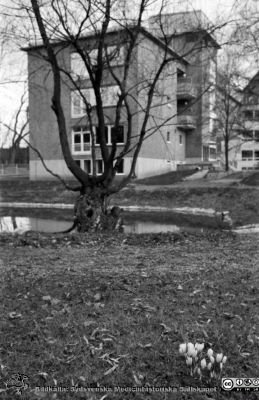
x=113, y=31
x=254, y=78
x=182, y=23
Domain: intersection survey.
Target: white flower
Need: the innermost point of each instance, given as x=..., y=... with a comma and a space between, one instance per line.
x=210, y=352
x=224, y=359
x=219, y=357
x=199, y=346
x=212, y=359
x=191, y=350
x=209, y=366
x=189, y=360
x=203, y=363
x=182, y=348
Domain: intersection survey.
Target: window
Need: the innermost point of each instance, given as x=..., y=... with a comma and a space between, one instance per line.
x=247, y=155
x=87, y=166
x=78, y=108
x=99, y=167
x=115, y=55
x=247, y=135
x=212, y=153
x=81, y=140
x=119, y=132
x=120, y=169
x=168, y=139
x=109, y=130
x=78, y=68
x=110, y=95
x=256, y=115
x=180, y=139
x=256, y=155
x=248, y=114
x=97, y=139
x=256, y=136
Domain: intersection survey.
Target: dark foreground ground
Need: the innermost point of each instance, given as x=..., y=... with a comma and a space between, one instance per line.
x=79, y=312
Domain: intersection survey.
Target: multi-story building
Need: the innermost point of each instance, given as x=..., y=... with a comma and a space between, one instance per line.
x=189, y=34
x=248, y=156
x=243, y=137
x=182, y=115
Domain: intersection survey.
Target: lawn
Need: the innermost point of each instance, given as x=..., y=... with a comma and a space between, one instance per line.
x=81, y=312
x=242, y=202
x=166, y=179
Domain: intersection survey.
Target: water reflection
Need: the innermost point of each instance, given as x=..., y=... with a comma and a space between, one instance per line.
x=14, y=224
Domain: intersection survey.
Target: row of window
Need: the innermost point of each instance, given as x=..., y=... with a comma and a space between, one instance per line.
x=78, y=107
x=82, y=141
x=113, y=55
x=87, y=165
x=251, y=135
x=250, y=155
x=251, y=99
x=251, y=115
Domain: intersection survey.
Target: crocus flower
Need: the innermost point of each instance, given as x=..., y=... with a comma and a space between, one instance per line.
x=212, y=359
x=189, y=360
x=210, y=352
x=183, y=348
x=209, y=366
x=199, y=346
x=203, y=363
x=219, y=357
x=190, y=350
x=224, y=359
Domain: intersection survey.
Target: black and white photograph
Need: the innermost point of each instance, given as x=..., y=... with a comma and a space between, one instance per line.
x=129, y=199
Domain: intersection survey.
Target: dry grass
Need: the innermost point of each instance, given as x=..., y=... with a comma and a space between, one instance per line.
x=80, y=311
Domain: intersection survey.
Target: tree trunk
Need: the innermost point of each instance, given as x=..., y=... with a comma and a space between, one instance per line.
x=92, y=214
x=226, y=156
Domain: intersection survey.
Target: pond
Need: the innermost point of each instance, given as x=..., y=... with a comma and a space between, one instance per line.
x=49, y=220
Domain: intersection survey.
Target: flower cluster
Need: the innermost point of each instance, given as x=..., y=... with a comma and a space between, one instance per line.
x=201, y=363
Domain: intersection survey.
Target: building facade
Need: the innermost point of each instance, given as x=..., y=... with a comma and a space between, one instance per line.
x=181, y=122
x=248, y=156
x=244, y=138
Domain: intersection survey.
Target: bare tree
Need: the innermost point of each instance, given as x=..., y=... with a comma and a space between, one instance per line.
x=228, y=121
x=84, y=28
x=18, y=129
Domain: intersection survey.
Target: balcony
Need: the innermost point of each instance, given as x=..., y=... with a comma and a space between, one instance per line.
x=186, y=121
x=186, y=89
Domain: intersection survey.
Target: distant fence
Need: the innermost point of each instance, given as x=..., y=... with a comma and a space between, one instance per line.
x=21, y=170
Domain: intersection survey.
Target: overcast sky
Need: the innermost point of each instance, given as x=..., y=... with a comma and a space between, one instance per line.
x=10, y=94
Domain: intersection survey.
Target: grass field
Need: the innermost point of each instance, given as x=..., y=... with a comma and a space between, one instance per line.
x=242, y=202
x=90, y=311
x=166, y=179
